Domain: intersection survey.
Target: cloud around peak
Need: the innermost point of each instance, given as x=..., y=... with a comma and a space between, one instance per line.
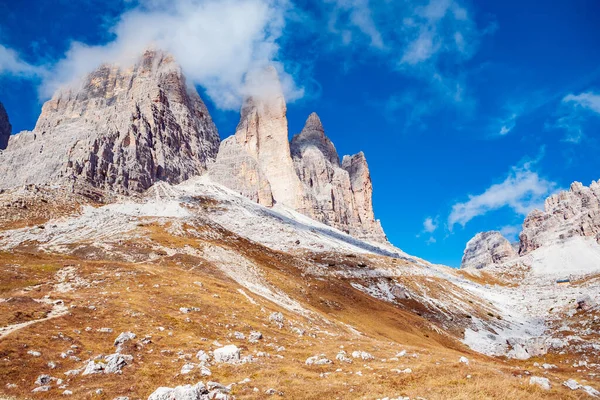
x=216, y=42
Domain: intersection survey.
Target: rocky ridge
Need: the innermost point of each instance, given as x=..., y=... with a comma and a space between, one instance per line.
x=125, y=129
x=122, y=130
x=5, y=128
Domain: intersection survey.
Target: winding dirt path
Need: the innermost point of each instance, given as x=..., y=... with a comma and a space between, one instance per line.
x=58, y=310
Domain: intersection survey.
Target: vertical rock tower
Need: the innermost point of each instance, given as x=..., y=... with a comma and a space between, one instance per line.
x=339, y=195
x=256, y=161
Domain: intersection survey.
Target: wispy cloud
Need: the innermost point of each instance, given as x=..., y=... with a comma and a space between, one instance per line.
x=507, y=124
x=522, y=191
x=349, y=16
x=12, y=63
x=574, y=113
x=430, y=225
x=419, y=38
x=436, y=28
x=588, y=101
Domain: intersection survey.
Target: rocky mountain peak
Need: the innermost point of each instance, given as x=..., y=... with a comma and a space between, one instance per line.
x=313, y=134
x=260, y=163
x=313, y=126
x=119, y=131
x=486, y=249
x=5, y=128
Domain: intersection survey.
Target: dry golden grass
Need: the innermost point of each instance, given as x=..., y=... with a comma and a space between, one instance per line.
x=484, y=278
x=143, y=297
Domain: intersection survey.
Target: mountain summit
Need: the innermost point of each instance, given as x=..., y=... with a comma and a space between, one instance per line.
x=120, y=131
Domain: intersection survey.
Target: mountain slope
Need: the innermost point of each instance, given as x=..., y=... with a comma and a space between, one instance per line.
x=216, y=266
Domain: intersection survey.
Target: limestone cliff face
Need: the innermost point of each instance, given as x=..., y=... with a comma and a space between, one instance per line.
x=120, y=132
x=238, y=170
x=575, y=212
x=5, y=128
x=486, y=249
x=339, y=195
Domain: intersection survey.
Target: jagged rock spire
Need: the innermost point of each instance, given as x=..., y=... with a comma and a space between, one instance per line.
x=5, y=128
x=313, y=134
x=313, y=125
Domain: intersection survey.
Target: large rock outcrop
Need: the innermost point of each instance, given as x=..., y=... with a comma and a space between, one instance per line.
x=238, y=170
x=257, y=160
x=362, y=189
x=486, y=249
x=339, y=195
x=575, y=212
x=5, y=128
x=120, y=132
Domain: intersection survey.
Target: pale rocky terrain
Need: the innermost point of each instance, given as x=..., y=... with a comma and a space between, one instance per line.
x=252, y=281
x=194, y=269
x=567, y=214
x=564, y=238
x=570, y=220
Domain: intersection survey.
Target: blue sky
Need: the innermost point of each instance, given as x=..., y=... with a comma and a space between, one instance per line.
x=469, y=113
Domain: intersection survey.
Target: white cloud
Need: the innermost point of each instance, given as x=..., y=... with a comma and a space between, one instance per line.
x=430, y=225
x=356, y=14
x=576, y=110
x=216, y=42
x=12, y=63
x=587, y=100
x=508, y=124
x=522, y=191
x=436, y=28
